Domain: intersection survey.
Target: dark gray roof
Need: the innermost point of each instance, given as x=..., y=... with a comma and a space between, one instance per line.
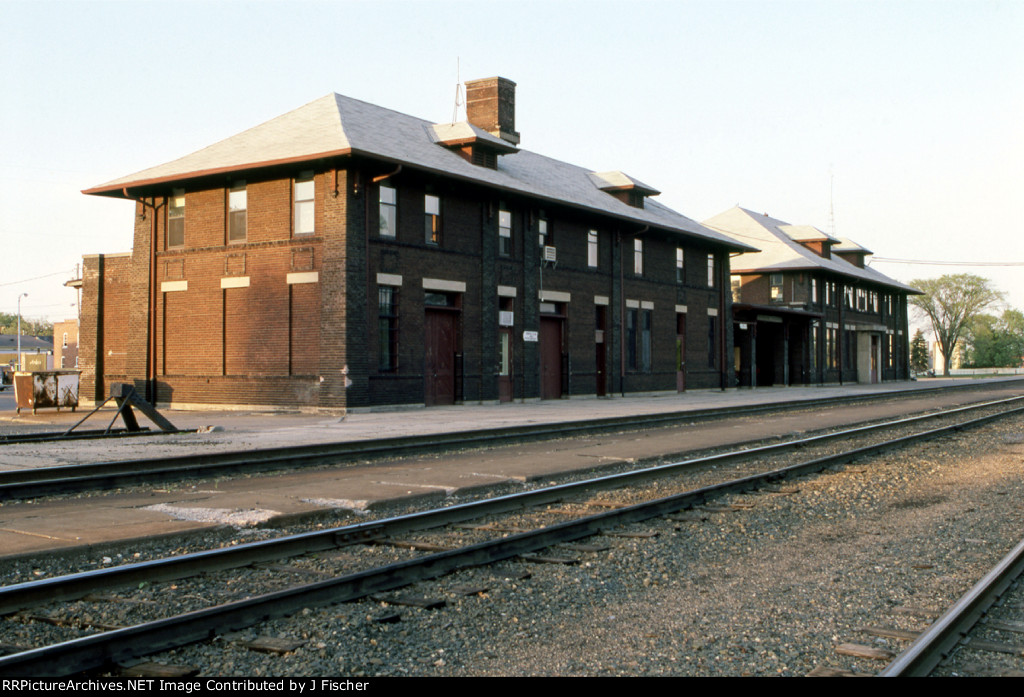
x=9, y=343
x=336, y=125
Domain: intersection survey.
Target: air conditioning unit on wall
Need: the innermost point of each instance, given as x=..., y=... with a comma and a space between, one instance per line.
x=550, y=254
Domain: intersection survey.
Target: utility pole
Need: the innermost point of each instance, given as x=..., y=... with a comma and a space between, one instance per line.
x=23, y=295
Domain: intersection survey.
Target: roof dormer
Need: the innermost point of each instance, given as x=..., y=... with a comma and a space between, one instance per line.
x=630, y=191
x=849, y=251
x=812, y=238
x=473, y=143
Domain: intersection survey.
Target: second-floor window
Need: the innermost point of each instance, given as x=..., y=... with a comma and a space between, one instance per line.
x=304, y=192
x=776, y=281
x=711, y=271
x=680, y=265
x=236, y=213
x=542, y=232
x=176, y=219
x=388, y=223
x=638, y=257
x=592, y=249
x=504, y=233
x=432, y=219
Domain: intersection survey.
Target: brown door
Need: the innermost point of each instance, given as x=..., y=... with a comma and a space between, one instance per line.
x=439, y=359
x=505, y=364
x=550, y=357
x=680, y=352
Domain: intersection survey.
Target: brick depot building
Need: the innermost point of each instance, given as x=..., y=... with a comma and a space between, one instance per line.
x=345, y=255
x=807, y=310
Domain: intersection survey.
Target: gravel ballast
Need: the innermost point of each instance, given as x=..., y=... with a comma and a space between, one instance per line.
x=770, y=590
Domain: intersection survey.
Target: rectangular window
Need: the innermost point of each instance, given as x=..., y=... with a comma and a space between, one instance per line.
x=387, y=329
x=432, y=219
x=176, y=219
x=504, y=233
x=592, y=249
x=542, y=232
x=814, y=291
x=776, y=283
x=638, y=257
x=711, y=270
x=680, y=265
x=387, y=225
x=304, y=193
x=236, y=213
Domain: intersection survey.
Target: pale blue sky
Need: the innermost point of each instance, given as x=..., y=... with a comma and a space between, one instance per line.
x=915, y=109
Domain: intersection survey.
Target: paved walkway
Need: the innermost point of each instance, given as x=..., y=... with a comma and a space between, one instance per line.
x=33, y=527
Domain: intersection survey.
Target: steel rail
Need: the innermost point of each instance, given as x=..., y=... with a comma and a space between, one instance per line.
x=939, y=641
x=101, y=650
x=66, y=479
x=20, y=596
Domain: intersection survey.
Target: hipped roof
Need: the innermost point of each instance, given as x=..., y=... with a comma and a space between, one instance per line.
x=779, y=251
x=336, y=125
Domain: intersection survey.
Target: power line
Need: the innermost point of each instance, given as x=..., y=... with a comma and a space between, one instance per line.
x=26, y=280
x=948, y=263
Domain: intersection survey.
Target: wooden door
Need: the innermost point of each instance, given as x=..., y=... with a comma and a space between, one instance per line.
x=550, y=357
x=439, y=358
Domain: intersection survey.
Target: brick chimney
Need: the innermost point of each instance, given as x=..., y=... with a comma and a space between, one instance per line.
x=491, y=105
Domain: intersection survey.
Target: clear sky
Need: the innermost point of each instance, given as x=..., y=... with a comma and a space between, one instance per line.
x=902, y=122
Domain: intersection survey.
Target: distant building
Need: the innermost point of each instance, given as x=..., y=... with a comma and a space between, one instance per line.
x=36, y=351
x=807, y=310
x=65, y=344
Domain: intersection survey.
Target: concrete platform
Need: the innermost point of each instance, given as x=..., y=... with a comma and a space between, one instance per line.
x=28, y=528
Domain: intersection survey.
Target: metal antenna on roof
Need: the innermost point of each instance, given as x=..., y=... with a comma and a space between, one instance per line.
x=459, y=100
x=831, y=206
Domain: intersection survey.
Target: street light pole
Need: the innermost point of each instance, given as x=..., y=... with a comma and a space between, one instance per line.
x=23, y=295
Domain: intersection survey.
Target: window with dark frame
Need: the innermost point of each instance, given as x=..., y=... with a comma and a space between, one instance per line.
x=176, y=219
x=237, y=212
x=711, y=270
x=305, y=191
x=776, y=287
x=542, y=231
x=388, y=223
x=680, y=265
x=504, y=233
x=387, y=329
x=592, y=259
x=638, y=257
x=432, y=219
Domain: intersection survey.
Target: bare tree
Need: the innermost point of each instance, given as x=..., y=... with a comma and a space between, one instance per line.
x=951, y=302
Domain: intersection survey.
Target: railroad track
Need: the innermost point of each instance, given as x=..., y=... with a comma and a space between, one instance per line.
x=995, y=603
x=519, y=533
x=70, y=479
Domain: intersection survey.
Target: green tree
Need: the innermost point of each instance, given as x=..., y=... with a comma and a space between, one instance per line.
x=996, y=342
x=918, y=352
x=950, y=303
x=29, y=327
